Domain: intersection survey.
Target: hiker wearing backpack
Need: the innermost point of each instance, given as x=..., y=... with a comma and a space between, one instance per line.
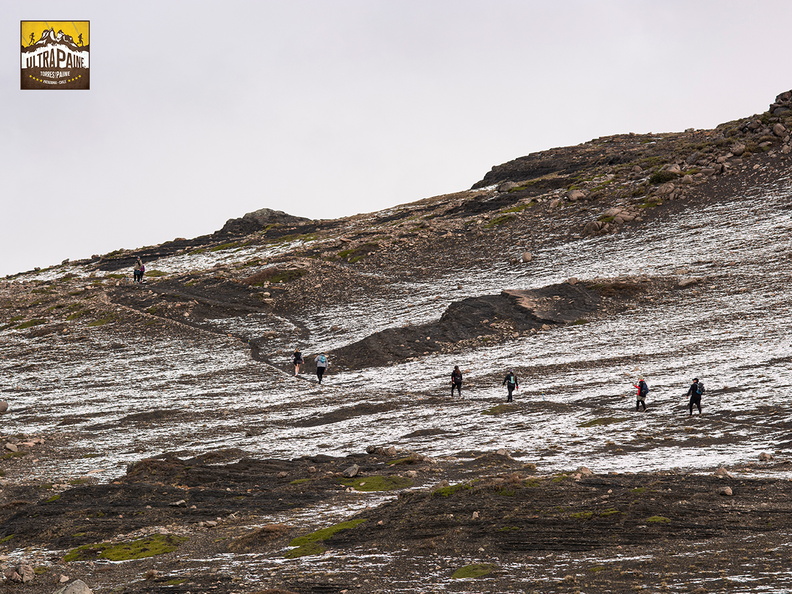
x=456, y=381
x=321, y=365
x=511, y=383
x=640, y=395
x=695, y=391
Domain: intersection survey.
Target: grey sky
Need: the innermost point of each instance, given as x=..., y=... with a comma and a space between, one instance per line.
x=203, y=110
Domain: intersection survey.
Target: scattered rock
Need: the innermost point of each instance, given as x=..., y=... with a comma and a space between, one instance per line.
x=723, y=473
x=11, y=447
x=765, y=457
x=526, y=257
x=575, y=195
x=3, y=406
x=20, y=574
x=76, y=587
x=584, y=471
x=352, y=471
x=779, y=130
x=725, y=491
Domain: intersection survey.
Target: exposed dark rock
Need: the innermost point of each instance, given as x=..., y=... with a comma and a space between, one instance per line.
x=257, y=220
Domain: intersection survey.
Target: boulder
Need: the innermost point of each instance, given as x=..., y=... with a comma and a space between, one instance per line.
x=765, y=457
x=779, y=130
x=575, y=195
x=257, y=220
x=725, y=491
x=352, y=471
x=526, y=257
x=592, y=228
x=721, y=472
x=3, y=406
x=666, y=188
x=20, y=574
x=76, y=587
x=506, y=186
x=584, y=471
x=11, y=447
x=737, y=149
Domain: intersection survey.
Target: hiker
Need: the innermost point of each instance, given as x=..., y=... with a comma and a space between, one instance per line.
x=137, y=273
x=511, y=383
x=298, y=360
x=321, y=365
x=456, y=381
x=695, y=391
x=640, y=395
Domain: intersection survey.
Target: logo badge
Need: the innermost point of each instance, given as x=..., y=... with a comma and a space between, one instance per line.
x=55, y=55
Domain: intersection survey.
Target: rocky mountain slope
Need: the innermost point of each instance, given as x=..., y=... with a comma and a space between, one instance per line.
x=163, y=417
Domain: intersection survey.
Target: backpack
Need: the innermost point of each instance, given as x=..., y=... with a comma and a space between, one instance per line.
x=322, y=360
x=512, y=380
x=699, y=388
x=644, y=389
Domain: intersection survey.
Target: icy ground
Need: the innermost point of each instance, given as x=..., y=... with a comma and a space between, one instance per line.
x=120, y=400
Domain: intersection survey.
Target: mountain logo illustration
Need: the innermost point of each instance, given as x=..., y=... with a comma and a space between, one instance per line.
x=55, y=54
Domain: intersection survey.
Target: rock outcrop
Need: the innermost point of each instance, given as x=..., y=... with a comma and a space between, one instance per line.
x=257, y=220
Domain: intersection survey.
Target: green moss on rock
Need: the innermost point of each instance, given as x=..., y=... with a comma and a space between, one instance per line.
x=475, y=570
x=150, y=546
x=311, y=544
x=377, y=483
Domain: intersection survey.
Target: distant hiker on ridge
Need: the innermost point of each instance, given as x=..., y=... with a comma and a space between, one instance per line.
x=32, y=39
x=137, y=273
x=321, y=365
x=695, y=391
x=79, y=38
x=511, y=383
x=456, y=381
x=298, y=360
x=640, y=396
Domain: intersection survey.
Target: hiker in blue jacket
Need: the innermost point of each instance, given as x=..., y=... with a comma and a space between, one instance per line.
x=695, y=391
x=321, y=365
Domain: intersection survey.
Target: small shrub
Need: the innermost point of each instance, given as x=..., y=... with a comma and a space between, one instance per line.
x=584, y=515
x=377, y=483
x=310, y=544
x=224, y=246
x=450, y=490
x=661, y=177
x=157, y=544
x=476, y=570
x=356, y=254
x=658, y=520
x=155, y=273
x=29, y=323
x=103, y=321
x=499, y=220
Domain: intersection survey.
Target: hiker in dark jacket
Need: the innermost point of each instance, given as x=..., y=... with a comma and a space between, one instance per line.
x=511, y=383
x=297, y=360
x=640, y=395
x=456, y=381
x=695, y=391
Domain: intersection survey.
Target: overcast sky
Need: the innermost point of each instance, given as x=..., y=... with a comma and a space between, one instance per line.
x=203, y=110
